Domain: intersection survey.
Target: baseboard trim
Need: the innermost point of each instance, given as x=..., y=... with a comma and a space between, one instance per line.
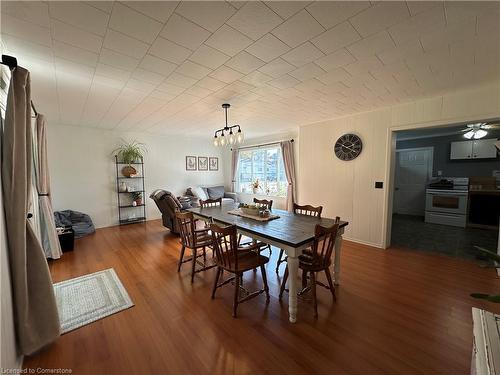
x=367, y=243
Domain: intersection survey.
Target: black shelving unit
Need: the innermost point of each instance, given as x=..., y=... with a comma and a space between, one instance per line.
x=123, y=217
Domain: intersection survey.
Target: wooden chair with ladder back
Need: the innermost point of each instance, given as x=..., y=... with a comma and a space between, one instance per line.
x=318, y=259
x=306, y=210
x=211, y=202
x=267, y=204
x=236, y=260
x=194, y=239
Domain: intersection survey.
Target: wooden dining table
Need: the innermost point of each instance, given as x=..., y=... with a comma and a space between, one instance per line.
x=290, y=232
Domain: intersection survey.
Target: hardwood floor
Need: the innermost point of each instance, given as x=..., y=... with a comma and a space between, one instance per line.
x=396, y=312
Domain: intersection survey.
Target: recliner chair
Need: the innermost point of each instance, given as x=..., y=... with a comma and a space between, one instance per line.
x=167, y=204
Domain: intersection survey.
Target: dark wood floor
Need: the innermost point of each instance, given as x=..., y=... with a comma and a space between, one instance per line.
x=396, y=312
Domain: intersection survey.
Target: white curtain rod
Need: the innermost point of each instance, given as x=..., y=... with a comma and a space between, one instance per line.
x=262, y=145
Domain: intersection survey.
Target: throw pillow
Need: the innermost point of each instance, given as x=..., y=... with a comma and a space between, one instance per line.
x=200, y=193
x=216, y=192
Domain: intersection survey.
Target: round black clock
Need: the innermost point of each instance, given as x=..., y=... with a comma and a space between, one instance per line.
x=348, y=147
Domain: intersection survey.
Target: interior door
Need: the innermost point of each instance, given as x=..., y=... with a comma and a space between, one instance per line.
x=413, y=171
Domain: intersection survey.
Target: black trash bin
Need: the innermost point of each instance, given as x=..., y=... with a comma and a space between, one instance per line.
x=67, y=238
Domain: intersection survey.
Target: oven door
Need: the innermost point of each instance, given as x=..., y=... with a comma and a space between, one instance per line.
x=451, y=202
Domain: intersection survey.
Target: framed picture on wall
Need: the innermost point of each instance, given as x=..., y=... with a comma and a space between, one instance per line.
x=190, y=163
x=202, y=163
x=213, y=163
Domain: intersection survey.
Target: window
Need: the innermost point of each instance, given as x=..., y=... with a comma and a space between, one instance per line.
x=265, y=165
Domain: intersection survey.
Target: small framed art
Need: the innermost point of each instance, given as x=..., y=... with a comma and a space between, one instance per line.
x=202, y=163
x=190, y=163
x=213, y=163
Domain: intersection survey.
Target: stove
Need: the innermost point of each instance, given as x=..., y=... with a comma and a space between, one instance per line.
x=446, y=201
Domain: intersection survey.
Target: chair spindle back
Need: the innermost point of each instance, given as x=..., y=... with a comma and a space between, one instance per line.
x=226, y=245
x=264, y=202
x=187, y=227
x=307, y=210
x=211, y=202
x=324, y=241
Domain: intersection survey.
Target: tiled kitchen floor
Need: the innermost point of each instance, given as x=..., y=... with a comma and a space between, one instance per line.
x=412, y=233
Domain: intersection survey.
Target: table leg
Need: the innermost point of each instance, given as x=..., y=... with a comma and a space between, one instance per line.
x=336, y=261
x=293, y=269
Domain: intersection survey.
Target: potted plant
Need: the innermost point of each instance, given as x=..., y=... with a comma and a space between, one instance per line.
x=137, y=197
x=129, y=153
x=256, y=186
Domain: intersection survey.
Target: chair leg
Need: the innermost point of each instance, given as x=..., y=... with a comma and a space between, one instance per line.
x=313, y=288
x=264, y=280
x=279, y=261
x=236, y=294
x=270, y=250
x=204, y=255
x=181, y=258
x=193, y=264
x=217, y=275
x=304, y=279
x=283, y=282
x=330, y=283
x=239, y=238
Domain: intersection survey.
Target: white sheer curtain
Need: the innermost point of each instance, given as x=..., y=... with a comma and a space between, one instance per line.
x=289, y=163
x=234, y=167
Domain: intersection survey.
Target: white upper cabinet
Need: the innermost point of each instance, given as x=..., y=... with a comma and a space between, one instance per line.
x=477, y=149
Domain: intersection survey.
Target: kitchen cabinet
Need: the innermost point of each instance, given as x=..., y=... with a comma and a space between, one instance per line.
x=475, y=149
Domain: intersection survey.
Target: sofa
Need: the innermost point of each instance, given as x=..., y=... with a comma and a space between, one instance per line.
x=212, y=192
x=167, y=204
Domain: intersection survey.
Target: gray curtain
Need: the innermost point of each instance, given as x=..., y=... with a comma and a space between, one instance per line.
x=234, y=167
x=35, y=310
x=289, y=163
x=50, y=242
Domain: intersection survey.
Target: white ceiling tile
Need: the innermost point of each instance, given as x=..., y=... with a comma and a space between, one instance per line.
x=117, y=60
x=76, y=37
x=410, y=48
x=335, y=75
x=147, y=76
x=25, y=30
x=380, y=16
x=193, y=70
x=209, y=14
x=80, y=15
x=417, y=7
x=412, y=28
x=228, y=41
x=76, y=70
x=180, y=80
x=36, y=12
x=135, y=24
x=244, y=62
x=75, y=54
x=338, y=37
x=307, y=71
x=371, y=45
x=331, y=13
x=335, y=60
x=124, y=44
x=303, y=54
x=256, y=78
x=112, y=72
x=211, y=83
x=298, y=29
x=226, y=74
x=106, y=6
x=209, y=57
x=140, y=85
x=171, y=89
x=254, y=20
x=460, y=11
x=100, y=98
x=198, y=91
x=451, y=33
x=284, y=82
x=159, y=10
x=23, y=49
x=162, y=95
x=363, y=66
x=167, y=50
x=286, y=9
x=184, y=32
x=277, y=68
x=268, y=48
x=157, y=65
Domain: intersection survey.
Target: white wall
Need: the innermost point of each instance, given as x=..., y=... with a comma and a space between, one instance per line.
x=278, y=202
x=347, y=189
x=83, y=174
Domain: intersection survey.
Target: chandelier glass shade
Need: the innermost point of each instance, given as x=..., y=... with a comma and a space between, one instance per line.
x=228, y=135
x=476, y=131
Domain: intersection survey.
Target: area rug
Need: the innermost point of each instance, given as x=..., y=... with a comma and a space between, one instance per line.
x=88, y=298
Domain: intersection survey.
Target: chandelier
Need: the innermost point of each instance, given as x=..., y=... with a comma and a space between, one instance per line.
x=476, y=131
x=226, y=136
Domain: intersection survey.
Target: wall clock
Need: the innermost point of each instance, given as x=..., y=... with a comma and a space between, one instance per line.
x=348, y=147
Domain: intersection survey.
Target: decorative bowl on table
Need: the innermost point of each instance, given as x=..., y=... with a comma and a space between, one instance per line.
x=254, y=211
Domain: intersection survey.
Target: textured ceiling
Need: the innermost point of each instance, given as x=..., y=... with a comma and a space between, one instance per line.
x=166, y=67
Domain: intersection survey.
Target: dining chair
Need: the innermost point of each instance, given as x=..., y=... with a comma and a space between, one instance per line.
x=211, y=202
x=318, y=259
x=306, y=210
x=194, y=239
x=267, y=204
x=236, y=260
